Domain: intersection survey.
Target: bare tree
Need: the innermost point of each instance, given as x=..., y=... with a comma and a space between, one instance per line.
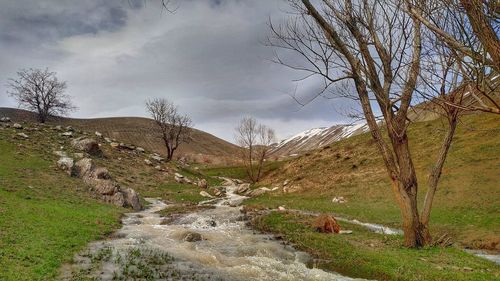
x=470, y=27
x=40, y=91
x=255, y=140
x=376, y=47
x=174, y=127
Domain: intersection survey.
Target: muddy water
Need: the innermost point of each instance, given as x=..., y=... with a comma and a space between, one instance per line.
x=228, y=250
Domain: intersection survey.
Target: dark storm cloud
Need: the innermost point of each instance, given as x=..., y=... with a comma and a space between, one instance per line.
x=208, y=57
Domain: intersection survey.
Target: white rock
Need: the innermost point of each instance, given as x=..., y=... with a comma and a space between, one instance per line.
x=205, y=194
x=67, y=134
x=97, y=134
x=339, y=200
x=17, y=126
x=140, y=149
x=281, y=208
x=148, y=162
x=23, y=135
x=179, y=175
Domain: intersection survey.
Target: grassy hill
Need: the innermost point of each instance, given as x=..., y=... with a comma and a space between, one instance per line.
x=203, y=148
x=47, y=216
x=466, y=204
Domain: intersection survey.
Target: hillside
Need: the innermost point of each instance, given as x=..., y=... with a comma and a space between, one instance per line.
x=466, y=205
x=203, y=148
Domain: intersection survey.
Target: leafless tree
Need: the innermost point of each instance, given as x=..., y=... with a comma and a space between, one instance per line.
x=40, y=91
x=255, y=141
x=375, y=48
x=174, y=127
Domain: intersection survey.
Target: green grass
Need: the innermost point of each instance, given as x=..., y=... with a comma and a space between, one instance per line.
x=364, y=254
x=45, y=216
x=466, y=204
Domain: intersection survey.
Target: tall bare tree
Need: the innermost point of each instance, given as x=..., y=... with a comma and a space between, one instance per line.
x=174, y=127
x=375, y=46
x=40, y=91
x=255, y=140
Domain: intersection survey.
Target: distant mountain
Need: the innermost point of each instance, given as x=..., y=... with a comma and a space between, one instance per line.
x=316, y=138
x=203, y=147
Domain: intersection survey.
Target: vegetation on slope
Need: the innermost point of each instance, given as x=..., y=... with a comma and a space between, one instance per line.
x=45, y=216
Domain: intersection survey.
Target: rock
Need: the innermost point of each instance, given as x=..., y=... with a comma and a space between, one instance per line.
x=126, y=146
x=5, y=119
x=157, y=158
x=148, y=162
x=114, y=144
x=101, y=173
x=339, y=200
x=292, y=189
x=23, y=135
x=345, y=232
x=116, y=199
x=281, y=209
x=179, y=180
x=140, y=150
x=108, y=140
x=158, y=167
x=205, y=194
x=178, y=175
x=275, y=188
x=87, y=145
x=78, y=155
x=132, y=199
x=66, y=164
x=97, y=134
x=60, y=153
x=257, y=192
x=243, y=188
x=83, y=168
x=105, y=187
x=70, y=129
x=326, y=224
x=67, y=134
x=286, y=182
x=193, y=237
x=17, y=126
x=58, y=128
x=202, y=183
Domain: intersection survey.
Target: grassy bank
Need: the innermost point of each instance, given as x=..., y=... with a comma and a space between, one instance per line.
x=365, y=254
x=466, y=204
x=45, y=216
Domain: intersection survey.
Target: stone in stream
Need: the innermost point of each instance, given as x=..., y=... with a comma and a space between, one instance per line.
x=193, y=237
x=132, y=199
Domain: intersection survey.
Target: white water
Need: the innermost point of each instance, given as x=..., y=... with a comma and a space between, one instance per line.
x=229, y=250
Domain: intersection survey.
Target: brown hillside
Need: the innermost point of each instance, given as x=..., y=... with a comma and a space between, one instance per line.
x=203, y=147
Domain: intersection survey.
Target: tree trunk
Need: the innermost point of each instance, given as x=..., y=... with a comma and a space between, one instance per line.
x=406, y=189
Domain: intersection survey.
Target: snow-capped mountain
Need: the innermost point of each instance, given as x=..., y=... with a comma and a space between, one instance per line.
x=317, y=138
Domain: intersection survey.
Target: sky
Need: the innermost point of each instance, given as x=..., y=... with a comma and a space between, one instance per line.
x=209, y=57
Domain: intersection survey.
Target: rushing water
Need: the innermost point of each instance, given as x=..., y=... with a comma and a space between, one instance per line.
x=228, y=249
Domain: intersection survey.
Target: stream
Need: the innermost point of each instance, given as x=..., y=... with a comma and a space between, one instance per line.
x=210, y=244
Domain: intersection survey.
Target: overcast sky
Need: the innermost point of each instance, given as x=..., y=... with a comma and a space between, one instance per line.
x=208, y=57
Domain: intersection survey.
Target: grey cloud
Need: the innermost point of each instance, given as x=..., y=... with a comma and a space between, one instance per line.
x=208, y=57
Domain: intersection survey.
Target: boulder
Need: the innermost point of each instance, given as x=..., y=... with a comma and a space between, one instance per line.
x=116, y=199
x=66, y=164
x=148, y=162
x=98, y=135
x=132, y=199
x=326, y=224
x=205, y=194
x=5, y=119
x=83, y=168
x=203, y=183
x=58, y=128
x=193, y=237
x=101, y=173
x=17, y=126
x=140, y=150
x=114, y=144
x=178, y=179
x=126, y=146
x=105, y=187
x=70, y=129
x=243, y=188
x=87, y=145
x=158, y=167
